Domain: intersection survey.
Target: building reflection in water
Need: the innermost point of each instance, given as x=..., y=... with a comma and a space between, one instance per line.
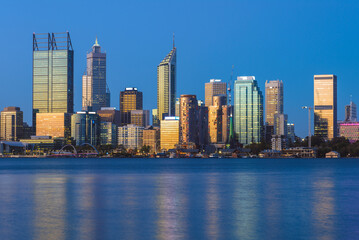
x=272, y=208
x=324, y=206
x=50, y=206
x=212, y=203
x=172, y=207
x=245, y=206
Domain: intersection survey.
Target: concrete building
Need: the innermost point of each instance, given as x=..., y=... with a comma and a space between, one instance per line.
x=130, y=99
x=169, y=133
x=151, y=138
x=56, y=125
x=94, y=86
x=189, y=119
x=130, y=136
x=11, y=124
x=325, y=106
x=166, y=85
x=248, y=110
x=85, y=128
x=213, y=88
x=218, y=120
x=349, y=130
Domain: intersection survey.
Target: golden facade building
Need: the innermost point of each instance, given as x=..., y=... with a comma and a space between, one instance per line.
x=140, y=117
x=273, y=100
x=151, y=138
x=213, y=88
x=218, y=120
x=11, y=127
x=110, y=114
x=169, y=133
x=56, y=125
x=325, y=106
x=166, y=85
x=189, y=119
x=130, y=99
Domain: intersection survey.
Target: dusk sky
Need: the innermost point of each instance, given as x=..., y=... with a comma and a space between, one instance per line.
x=286, y=40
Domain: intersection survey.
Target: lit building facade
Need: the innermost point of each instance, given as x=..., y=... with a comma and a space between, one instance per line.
x=213, y=88
x=108, y=133
x=291, y=132
x=11, y=124
x=130, y=136
x=248, y=110
x=155, y=120
x=53, y=67
x=273, y=100
x=85, y=128
x=151, y=138
x=169, y=133
x=130, y=99
x=94, y=94
x=349, y=130
x=110, y=114
x=218, y=120
x=56, y=125
x=280, y=124
x=188, y=119
x=325, y=106
x=140, y=117
x=166, y=85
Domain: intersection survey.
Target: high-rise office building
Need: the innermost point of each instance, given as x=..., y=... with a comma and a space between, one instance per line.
x=155, y=120
x=351, y=112
x=130, y=99
x=56, y=125
x=248, y=110
x=169, y=133
x=53, y=68
x=94, y=85
x=213, y=88
x=325, y=106
x=218, y=120
x=140, y=117
x=108, y=133
x=166, y=85
x=11, y=127
x=291, y=132
x=130, y=136
x=273, y=100
x=188, y=119
x=151, y=138
x=85, y=128
x=110, y=114
x=280, y=124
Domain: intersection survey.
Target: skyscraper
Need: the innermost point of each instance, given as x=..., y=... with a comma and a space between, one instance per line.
x=213, y=88
x=166, y=85
x=273, y=100
x=85, y=128
x=218, y=120
x=248, y=110
x=325, y=106
x=94, y=85
x=169, y=133
x=189, y=119
x=351, y=112
x=130, y=99
x=53, y=68
x=11, y=127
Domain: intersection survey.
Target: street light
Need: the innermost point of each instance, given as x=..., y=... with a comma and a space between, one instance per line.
x=309, y=126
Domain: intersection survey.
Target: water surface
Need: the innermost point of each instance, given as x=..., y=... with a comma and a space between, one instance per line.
x=179, y=199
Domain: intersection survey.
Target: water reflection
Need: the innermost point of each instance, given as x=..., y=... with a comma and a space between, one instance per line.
x=212, y=206
x=50, y=207
x=171, y=206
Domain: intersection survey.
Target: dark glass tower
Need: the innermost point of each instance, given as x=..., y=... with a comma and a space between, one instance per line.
x=52, y=79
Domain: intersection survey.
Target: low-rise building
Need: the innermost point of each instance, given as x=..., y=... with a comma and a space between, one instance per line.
x=151, y=138
x=130, y=136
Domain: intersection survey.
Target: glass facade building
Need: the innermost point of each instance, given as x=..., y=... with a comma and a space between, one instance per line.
x=85, y=128
x=108, y=134
x=325, y=106
x=169, y=133
x=11, y=124
x=189, y=119
x=130, y=99
x=56, y=125
x=166, y=85
x=248, y=110
x=53, y=67
x=94, y=87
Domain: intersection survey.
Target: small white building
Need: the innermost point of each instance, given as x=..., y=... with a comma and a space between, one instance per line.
x=130, y=136
x=332, y=154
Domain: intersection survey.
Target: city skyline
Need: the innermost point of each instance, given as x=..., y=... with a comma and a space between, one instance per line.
x=203, y=55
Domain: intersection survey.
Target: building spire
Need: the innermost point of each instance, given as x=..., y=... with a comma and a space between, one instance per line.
x=96, y=43
x=173, y=39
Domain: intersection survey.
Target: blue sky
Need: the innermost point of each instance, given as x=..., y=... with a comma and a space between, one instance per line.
x=287, y=40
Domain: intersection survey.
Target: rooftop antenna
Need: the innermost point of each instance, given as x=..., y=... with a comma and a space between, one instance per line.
x=229, y=88
x=351, y=98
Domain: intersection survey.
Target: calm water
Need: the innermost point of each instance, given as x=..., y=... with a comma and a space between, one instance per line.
x=179, y=199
